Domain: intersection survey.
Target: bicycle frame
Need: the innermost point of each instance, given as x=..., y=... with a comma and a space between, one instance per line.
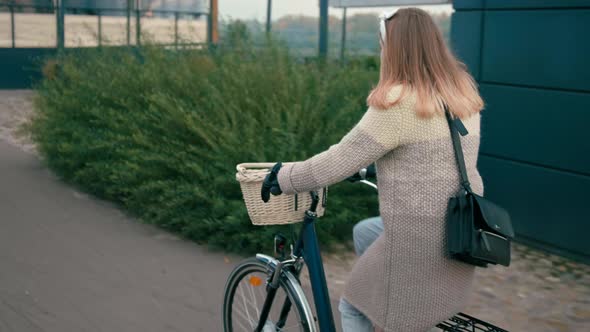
x=307, y=247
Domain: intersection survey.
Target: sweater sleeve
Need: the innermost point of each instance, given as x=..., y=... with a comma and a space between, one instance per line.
x=377, y=133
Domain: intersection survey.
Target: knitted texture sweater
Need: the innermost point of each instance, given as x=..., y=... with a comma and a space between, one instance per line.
x=405, y=280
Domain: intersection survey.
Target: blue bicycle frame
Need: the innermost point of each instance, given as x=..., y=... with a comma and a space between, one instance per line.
x=307, y=246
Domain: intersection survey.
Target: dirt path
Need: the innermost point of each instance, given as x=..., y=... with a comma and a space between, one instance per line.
x=16, y=107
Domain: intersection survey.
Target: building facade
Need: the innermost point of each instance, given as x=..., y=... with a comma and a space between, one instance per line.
x=531, y=60
x=114, y=7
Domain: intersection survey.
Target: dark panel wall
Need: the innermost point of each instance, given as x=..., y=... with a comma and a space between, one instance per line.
x=531, y=59
x=545, y=204
x=20, y=68
x=467, y=41
x=533, y=125
x=542, y=48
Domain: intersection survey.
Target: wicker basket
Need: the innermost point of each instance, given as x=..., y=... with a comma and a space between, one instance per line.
x=279, y=210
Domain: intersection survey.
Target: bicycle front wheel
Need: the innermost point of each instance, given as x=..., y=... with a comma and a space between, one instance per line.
x=244, y=297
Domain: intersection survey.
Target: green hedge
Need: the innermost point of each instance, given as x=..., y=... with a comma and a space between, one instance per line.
x=160, y=132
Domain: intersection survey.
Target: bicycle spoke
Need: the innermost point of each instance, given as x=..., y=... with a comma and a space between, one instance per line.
x=249, y=302
x=244, y=316
x=255, y=302
x=245, y=328
x=246, y=308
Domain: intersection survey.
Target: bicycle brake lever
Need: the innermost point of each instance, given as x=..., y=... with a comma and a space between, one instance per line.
x=369, y=183
x=363, y=174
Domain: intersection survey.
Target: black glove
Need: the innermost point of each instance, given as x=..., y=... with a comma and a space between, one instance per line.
x=271, y=183
x=354, y=178
x=371, y=173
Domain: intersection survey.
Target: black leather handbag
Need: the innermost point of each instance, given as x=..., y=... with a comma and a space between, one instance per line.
x=479, y=232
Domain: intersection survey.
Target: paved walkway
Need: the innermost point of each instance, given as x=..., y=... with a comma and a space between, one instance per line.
x=72, y=263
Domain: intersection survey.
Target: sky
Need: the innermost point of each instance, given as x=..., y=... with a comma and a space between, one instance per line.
x=256, y=9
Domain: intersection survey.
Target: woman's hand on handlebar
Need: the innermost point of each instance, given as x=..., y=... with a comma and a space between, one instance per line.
x=271, y=183
x=363, y=174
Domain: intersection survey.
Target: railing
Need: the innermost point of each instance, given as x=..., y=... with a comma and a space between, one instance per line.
x=132, y=10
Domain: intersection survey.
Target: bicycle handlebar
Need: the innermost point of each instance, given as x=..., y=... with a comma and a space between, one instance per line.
x=366, y=173
x=369, y=183
x=363, y=175
x=371, y=171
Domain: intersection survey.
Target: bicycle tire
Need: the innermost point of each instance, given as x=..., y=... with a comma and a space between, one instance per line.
x=253, y=265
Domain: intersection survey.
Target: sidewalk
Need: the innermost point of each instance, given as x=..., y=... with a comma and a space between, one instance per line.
x=69, y=262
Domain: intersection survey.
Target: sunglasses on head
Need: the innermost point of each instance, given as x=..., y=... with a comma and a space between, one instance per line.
x=384, y=17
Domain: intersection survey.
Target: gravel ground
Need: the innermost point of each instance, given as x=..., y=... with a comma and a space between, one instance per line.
x=16, y=107
x=538, y=292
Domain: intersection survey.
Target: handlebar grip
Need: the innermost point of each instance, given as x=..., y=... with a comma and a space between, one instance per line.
x=365, y=173
x=371, y=171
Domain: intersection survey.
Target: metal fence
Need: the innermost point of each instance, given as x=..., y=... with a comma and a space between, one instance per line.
x=133, y=14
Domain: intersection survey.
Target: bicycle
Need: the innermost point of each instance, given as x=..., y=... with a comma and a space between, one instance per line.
x=270, y=277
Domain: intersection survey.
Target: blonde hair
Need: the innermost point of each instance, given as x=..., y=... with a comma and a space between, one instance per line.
x=416, y=57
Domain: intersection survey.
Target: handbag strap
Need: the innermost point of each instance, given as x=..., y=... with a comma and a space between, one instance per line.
x=458, y=150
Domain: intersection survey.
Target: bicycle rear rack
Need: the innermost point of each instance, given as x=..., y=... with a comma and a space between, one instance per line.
x=465, y=323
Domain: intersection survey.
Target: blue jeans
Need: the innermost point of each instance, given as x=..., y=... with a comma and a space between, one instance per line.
x=363, y=234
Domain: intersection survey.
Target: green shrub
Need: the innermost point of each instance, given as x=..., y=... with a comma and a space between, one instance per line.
x=160, y=132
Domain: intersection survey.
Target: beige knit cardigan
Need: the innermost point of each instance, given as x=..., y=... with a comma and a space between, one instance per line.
x=405, y=281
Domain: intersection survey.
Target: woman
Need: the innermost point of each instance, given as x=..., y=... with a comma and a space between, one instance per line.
x=404, y=280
